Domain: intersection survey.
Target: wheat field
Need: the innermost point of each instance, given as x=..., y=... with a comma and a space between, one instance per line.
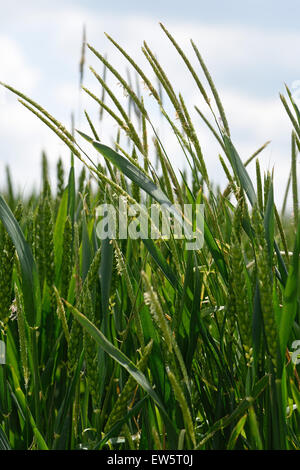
x=143, y=344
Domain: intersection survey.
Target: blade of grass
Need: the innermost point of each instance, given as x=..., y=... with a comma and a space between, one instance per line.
x=29, y=274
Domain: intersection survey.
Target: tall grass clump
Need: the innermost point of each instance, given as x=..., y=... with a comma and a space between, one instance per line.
x=141, y=343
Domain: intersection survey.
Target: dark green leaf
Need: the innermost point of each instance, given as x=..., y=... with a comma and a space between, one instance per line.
x=29, y=274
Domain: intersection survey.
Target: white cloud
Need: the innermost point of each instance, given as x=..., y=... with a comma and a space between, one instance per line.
x=14, y=67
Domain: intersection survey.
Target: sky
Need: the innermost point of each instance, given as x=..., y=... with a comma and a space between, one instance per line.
x=250, y=48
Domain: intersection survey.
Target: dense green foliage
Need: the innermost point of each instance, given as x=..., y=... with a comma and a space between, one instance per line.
x=142, y=344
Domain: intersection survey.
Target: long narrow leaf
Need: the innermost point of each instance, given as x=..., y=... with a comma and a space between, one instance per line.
x=117, y=355
x=26, y=260
x=291, y=295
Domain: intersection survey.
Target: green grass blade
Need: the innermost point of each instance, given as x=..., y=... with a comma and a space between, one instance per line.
x=21, y=400
x=237, y=430
x=117, y=427
x=27, y=263
x=269, y=220
x=291, y=295
x=71, y=195
x=239, y=169
x=162, y=263
x=59, y=230
x=130, y=170
x=4, y=444
x=106, y=268
x=117, y=355
x=238, y=412
x=86, y=249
